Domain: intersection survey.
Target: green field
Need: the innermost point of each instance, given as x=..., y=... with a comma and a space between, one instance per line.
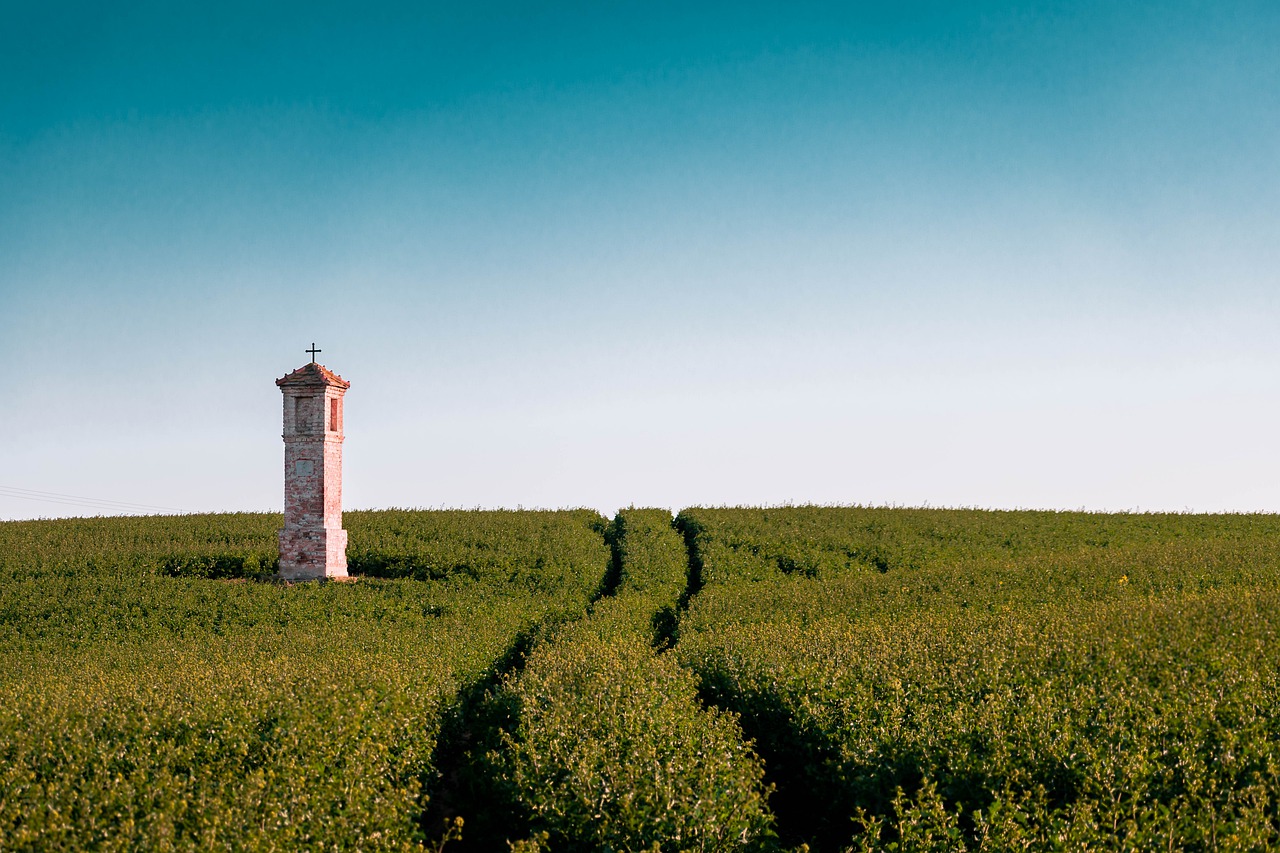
x=755, y=679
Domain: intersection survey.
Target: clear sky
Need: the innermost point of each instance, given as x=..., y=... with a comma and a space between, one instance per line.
x=662, y=253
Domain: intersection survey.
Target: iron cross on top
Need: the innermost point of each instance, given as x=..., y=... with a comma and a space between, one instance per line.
x=313, y=352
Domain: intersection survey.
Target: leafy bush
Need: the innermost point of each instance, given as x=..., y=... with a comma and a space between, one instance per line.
x=905, y=679
x=537, y=550
x=213, y=545
x=652, y=562
x=747, y=544
x=613, y=752
x=165, y=712
x=139, y=710
x=1128, y=725
x=1038, y=681
x=542, y=551
x=604, y=745
x=652, y=559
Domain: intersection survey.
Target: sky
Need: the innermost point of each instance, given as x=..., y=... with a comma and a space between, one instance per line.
x=1009, y=255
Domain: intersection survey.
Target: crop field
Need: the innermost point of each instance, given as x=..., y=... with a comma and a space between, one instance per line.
x=730, y=679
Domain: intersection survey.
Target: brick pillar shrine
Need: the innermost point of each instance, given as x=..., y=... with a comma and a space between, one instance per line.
x=313, y=543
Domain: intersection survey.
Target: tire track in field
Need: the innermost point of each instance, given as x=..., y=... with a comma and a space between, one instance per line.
x=762, y=722
x=474, y=724
x=666, y=621
x=469, y=721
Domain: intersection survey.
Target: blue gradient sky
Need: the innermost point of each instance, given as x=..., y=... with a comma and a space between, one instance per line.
x=990, y=254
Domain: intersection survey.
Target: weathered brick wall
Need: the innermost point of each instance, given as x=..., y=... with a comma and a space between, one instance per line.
x=312, y=542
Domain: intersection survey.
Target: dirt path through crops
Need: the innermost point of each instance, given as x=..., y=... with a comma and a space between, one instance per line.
x=472, y=725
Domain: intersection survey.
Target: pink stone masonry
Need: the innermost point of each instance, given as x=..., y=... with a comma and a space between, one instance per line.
x=313, y=543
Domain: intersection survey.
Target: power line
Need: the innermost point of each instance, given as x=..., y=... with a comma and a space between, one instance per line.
x=39, y=493
x=91, y=504
x=81, y=503
x=35, y=494
x=81, y=500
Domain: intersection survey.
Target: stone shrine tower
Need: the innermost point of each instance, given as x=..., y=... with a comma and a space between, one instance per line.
x=313, y=543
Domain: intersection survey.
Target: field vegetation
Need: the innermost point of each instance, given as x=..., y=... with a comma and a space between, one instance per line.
x=731, y=679
x=945, y=680
x=147, y=706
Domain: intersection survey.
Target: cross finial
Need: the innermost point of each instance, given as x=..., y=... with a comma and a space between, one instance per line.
x=313, y=352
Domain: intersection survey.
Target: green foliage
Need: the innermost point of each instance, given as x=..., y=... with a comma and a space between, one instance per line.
x=539, y=550
x=888, y=679
x=653, y=562
x=214, y=545
x=613, y=752
x=144, y=711
x=605, y=745
x=162, y=712
x=1051, y=553
x=652, y=559
x=1118, y=725
x=1034, y=681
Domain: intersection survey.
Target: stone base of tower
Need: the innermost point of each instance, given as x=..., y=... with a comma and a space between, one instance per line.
x=312, y=554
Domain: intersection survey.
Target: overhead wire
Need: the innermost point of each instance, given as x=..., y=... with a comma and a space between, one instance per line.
x=81, y=500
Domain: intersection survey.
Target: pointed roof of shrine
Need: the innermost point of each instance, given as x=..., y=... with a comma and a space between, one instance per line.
x=314, y=375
